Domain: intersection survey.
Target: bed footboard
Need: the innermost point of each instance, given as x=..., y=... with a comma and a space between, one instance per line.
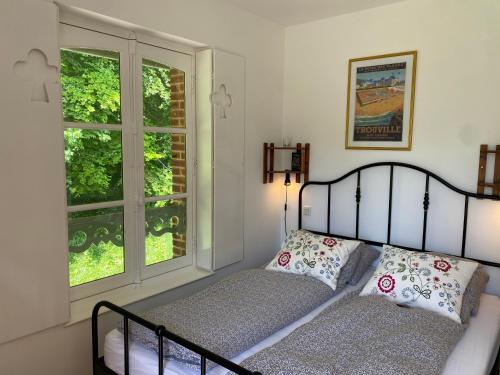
x=99, y=367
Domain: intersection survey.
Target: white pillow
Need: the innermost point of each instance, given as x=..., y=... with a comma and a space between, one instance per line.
x=431, y=281
x=306, y=253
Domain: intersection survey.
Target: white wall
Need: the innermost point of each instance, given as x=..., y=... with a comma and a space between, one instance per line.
x=62, y=351
x=456, y=109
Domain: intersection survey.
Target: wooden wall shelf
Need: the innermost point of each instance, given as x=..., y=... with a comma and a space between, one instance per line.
x=481, y=179
x=268, y=162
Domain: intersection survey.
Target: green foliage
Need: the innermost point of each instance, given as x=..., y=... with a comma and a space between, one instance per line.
x=107, y=259
x=157, y=171
x=156, y=94
x=159, y=249
x=95, y=263
x=93, y=165
x=91, y=88
x=90, y=81
x=91, y=94
x=156, y=112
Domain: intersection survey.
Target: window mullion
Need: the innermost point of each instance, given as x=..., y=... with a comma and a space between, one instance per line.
x=165, y=197
x=151, y=129
x=95, y=206
x=89, y=126
x=138, y=198
x=129, y=177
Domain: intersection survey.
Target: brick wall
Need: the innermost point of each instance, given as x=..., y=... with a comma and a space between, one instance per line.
x=178, y=120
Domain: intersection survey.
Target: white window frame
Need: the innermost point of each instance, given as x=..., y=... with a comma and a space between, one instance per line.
x=132, y=130
x=184, y=63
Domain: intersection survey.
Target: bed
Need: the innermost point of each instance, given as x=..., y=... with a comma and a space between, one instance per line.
x=475, y=353
x=145, y=361
x=480, y=339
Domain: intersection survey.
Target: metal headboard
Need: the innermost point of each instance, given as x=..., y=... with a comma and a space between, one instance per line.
x=426, y=203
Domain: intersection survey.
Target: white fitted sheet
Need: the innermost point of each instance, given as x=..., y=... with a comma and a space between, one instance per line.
x=476, y=352
x=473, y=355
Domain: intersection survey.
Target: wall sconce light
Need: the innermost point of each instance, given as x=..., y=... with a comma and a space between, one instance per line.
x=287, y=179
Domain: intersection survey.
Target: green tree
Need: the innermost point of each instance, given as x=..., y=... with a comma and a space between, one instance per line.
x=90, y=86
x=156, y=93
x=91, y=94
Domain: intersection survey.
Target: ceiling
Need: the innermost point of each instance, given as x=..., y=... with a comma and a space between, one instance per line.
x=292, y=12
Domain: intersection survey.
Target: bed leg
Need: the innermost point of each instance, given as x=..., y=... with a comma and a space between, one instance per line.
x=125, y=345
x=160, y=355
x=496, y=366
x=203, y=366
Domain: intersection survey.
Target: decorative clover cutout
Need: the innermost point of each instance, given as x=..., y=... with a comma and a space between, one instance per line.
x=222, y=100
x=37, y=70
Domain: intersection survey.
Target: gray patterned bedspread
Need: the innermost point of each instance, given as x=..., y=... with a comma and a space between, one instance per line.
x=363, y=336
x=233, y=314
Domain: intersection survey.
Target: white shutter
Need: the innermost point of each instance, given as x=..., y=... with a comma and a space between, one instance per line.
x=222, y=122
x=33, y=255
x=204, y=160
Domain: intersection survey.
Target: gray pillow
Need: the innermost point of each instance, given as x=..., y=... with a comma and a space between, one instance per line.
x=472, y=294
x=368, y=256
x=347, y=271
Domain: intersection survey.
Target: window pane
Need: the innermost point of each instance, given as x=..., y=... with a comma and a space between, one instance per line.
x=164, y=163
x=93, y=166
x=165, y=230
x=95, y=244
x=163, y=95
x=90, y=81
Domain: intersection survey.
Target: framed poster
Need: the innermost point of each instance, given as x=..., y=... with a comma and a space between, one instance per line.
x=380, y=96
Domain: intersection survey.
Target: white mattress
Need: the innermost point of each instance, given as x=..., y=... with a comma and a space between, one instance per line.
x=474, y=354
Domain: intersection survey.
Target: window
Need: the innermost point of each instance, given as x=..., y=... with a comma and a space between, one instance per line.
x=128, y=140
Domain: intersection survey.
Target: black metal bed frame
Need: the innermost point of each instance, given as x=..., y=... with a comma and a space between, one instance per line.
x=100, y=368
x=425, y=204
x=161, y=332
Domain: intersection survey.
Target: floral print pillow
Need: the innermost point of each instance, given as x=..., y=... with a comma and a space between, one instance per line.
x=431, y=281
x=306, y=253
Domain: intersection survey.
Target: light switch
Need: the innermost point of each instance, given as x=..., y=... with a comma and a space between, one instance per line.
x=307, y=210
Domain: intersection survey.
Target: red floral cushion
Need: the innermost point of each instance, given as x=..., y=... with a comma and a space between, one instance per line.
x=428, y=280
x=314, y=255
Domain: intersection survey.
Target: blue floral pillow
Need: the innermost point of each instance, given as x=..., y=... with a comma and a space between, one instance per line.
x=306, y=253
x=428, y=280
